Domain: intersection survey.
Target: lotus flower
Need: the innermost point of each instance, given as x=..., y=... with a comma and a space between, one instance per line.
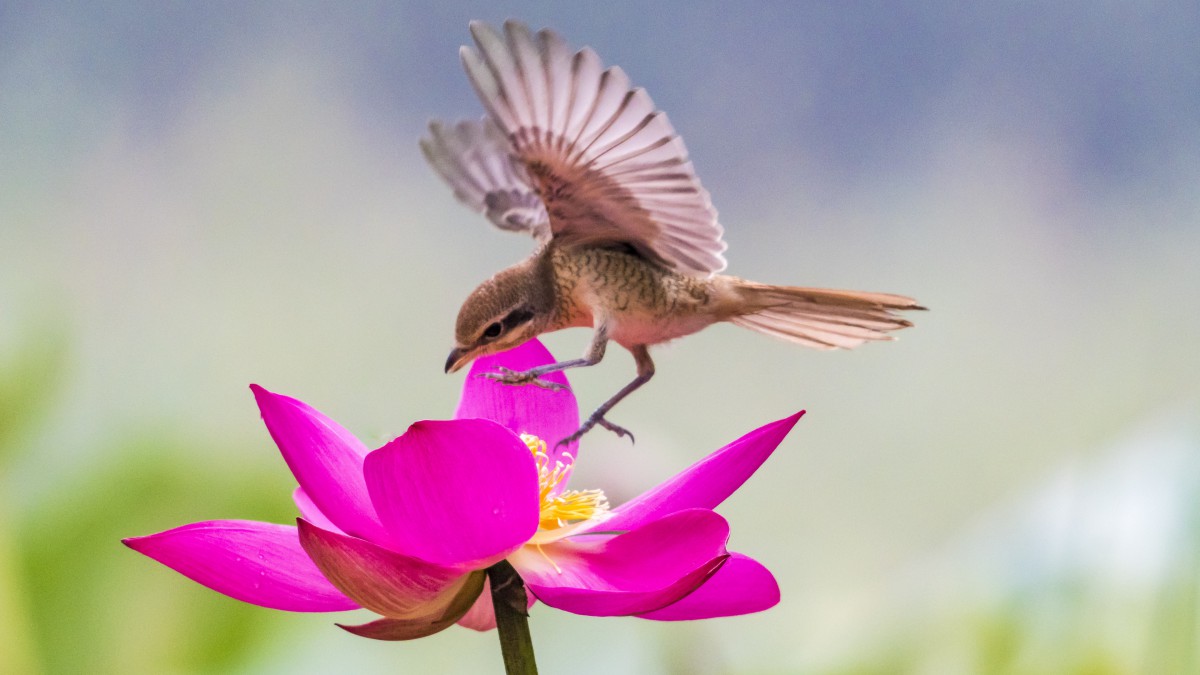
x=407, y=530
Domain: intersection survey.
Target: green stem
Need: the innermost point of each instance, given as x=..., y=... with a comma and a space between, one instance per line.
x=512, y=619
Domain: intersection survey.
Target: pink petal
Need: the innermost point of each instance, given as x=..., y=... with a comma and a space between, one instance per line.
x=706, y=483
x=439, y=619
x=457, y=491
x=636, y=572
x=384, y=582
x=741, y=586
x=482, y=615
x=259, y=563
x=326, y=460
x=310, y=512
x=528, y=409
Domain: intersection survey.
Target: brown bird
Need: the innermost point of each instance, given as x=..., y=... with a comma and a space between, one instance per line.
x=570, y=153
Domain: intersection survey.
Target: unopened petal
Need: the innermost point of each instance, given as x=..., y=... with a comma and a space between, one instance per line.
x=326, y=460
x=385, y=582
x=457, y=491
x=741, y=586
x=259, y=563
x=640, y=571
x=529, y=409
x=438, y=618
x=706, y=483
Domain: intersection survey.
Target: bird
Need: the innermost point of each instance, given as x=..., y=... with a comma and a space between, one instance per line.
x=628, y=241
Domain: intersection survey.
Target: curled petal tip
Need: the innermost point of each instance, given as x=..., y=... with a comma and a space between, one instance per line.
x=741, y=586
x=262, y=396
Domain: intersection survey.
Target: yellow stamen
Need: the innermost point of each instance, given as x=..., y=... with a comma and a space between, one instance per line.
x=567, y=507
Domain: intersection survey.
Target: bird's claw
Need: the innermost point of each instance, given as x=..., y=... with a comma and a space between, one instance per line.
x=591, y=422
x=518, y=377
x=620, y=431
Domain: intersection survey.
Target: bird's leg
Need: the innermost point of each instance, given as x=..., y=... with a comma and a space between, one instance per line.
x=645, y=371
x=591, y=357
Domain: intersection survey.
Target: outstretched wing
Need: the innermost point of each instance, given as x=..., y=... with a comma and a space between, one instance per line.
x=477, y=161
x=607, y=166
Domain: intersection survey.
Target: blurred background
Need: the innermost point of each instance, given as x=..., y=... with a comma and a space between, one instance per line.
x=198, y=196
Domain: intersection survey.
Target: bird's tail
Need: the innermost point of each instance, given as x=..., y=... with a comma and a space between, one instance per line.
x=821, y=318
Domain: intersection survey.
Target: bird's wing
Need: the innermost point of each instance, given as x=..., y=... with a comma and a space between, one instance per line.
x=607, y=165
x=477, y=161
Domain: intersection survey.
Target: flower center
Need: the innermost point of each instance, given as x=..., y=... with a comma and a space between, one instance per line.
x=565, y=508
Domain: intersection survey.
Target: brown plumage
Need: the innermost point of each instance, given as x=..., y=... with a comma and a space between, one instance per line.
x=630, y=243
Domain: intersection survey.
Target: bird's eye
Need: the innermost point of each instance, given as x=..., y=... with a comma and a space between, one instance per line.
x=493, y=331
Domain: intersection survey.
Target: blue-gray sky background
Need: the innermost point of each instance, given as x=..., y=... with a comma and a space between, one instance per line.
x=198, y=196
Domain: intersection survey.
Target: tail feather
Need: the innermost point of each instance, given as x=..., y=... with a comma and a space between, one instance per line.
x=820, y=318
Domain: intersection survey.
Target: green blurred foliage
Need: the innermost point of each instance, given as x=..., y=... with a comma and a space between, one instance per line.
x=72, y=599
x=1055, y=628
x=103, y=607
x=31, y=375
x=30, y=378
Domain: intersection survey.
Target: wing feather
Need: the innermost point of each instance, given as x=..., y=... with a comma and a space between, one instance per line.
x=607, y=166
x=475, y=159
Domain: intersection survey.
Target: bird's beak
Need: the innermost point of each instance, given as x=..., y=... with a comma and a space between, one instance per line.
x=455, y=360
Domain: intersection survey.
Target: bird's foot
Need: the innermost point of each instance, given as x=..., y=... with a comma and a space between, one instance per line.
x=596, y=418
x=620, y=431
x=518, y=377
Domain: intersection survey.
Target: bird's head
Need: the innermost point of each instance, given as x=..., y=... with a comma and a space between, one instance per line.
x=502, y=313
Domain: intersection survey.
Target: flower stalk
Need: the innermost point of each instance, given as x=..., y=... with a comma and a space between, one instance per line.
x=511, y=605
